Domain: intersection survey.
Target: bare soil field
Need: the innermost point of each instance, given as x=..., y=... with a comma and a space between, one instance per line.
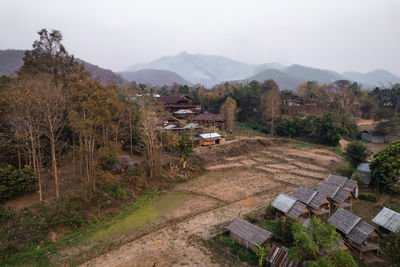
x=233, y=185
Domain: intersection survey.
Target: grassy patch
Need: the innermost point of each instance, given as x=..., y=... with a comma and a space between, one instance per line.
x=38, y=256
x=337, y=151
x=303, y=145
x=225, y=243
x=252, y=127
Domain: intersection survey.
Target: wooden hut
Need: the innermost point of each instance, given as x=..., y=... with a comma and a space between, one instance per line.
x=207, y=139
x=387, y=220
x=356, y=233
x=248, y=234
x=316, y=202
x=339, y=190
x=287, y=205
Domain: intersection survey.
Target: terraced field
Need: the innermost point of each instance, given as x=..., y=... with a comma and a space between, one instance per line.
x=232, y=186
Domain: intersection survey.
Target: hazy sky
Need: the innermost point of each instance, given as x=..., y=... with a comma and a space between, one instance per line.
x=342, y=35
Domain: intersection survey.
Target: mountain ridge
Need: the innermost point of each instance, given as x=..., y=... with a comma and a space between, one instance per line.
x=12, y=59
x=211, y=70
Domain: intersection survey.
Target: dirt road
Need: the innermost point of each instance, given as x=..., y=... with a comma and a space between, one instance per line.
x=232, y=187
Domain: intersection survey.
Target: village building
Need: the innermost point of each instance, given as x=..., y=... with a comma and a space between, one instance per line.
x=339, y=190
x=248, y=234
x=207, y=139
x=316, y=202
x=365, y=173
x=357, y=234
x=173, y=103
x=210, y=119
x=278, y=256
x=387, y=220
x=184, y=114
x=288, y=205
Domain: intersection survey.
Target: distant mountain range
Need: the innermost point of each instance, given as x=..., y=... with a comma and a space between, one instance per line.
x=11, y=60
x=154, y=77
x=210, y=70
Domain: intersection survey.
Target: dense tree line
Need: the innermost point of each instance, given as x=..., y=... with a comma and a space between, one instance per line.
x=53, y=109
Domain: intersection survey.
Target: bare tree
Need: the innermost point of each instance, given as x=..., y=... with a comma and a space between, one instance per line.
x=228, y=112
x=271, y=102
x=53, y=106
x=150, y=143
x=23, y=99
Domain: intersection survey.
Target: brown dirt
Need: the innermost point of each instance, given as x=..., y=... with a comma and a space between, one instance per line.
x=229, y=191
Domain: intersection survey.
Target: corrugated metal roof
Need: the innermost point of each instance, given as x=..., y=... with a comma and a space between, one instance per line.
x=192, y=126
x=279, y=256
x=317, y=201
x=297, y=209
x=283, y=202
x=210, y=136
x=336, y=179
x=360, y=232
x=328, y=189
x=388, y=219
x=344, y=220
x=363, y=167
x=249, y=232
x=183, y=111
x=170, y=127
x=304, y=194
x=342, y=194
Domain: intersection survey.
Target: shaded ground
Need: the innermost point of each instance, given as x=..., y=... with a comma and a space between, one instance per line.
x=169, y=229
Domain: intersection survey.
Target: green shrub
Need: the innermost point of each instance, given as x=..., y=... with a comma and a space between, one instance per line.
x=344, y=170
x=368, y=197
x=13, y=181
x=385, y=167
x=356, y=153
x=356, y=176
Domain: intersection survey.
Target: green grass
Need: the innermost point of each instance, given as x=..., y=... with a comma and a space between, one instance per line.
x=224, y=241
x=303, y=145
x=337, y=151
x=252, y=127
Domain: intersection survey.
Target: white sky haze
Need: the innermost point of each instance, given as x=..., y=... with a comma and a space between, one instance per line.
x=342, y=35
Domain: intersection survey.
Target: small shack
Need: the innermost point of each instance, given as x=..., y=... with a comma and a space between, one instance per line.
x=365, y=173
x=387, y=220
x=207, y=139
x=278, y=256
x=248, y=234
x=357, y=234
x=122, y=163
x=287, y=205
x=370, y=137
x=316, y=202
x=339, y=190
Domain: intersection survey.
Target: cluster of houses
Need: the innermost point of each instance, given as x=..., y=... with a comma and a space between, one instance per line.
x=335, y=196
x=184, y=116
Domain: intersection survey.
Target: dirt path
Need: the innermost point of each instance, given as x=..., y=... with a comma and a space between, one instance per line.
x=233, y=187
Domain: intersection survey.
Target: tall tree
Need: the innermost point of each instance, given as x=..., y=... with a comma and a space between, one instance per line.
x=228, y=112
x=53, y=107
x=49, y=56
x=150, y=143
x=271, y=103
x=23, y=98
